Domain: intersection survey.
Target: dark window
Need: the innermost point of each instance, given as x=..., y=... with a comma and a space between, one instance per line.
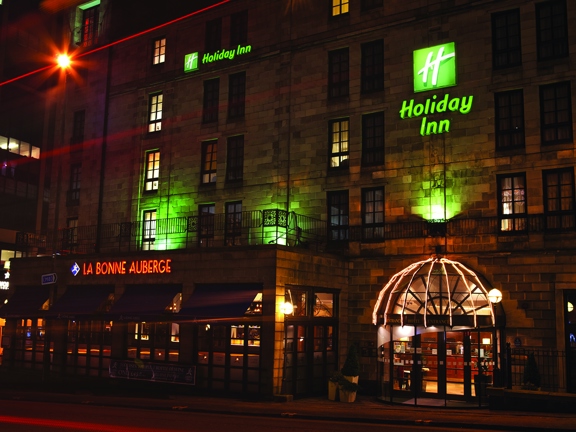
x=233, y=230
x=208, y=171
x=78, y=127
x=237, y=95
x=373, y=139
x=371, y=4
x=556, y=113
x=90, y=26
x=213, y=40
x=152, y=171
x=155, y=113
x=338, y=215
x=339, y=7
x=148, y=229
x=559, y=198
x=373, y=214
x=551, y=30
x=338, y=73
x=506, y=41
x=235, y=158
x=372, y=66
x=74, y=190
x=512, y=202
x=238, y=29
x=70, y=235
x=509, y=109
x=159, y=51
x=206, y=224
x=211, y=100
x=339, y=143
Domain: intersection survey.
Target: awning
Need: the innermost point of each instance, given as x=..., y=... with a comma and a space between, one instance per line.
x=84, y=300
x=26, y=302
x=219, y=301
x=145, y=303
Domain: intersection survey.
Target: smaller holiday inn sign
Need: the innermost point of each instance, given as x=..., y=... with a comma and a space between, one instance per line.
x=191, y=60
x=435, y=68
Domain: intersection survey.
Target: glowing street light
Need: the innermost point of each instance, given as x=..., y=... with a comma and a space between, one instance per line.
x=63, y=61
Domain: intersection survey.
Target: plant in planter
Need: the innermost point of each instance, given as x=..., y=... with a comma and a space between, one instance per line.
x=333, y=384
x=351, y=368
x=348, y=390
x=531, y=376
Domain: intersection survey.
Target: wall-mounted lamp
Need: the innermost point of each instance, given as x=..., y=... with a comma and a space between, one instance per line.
x=494, y=295
x=287, y=308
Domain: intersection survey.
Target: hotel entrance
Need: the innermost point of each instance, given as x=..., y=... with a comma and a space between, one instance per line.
x=439, y=336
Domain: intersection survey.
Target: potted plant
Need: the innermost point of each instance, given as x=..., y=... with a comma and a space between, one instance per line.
x=531, y=376
x=348, y=390
x=351, y=368
x=333, y=384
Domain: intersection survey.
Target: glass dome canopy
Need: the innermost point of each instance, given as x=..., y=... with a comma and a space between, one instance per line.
x=437, y=291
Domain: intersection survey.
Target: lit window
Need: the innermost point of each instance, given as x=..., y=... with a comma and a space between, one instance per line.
x=512, y=205
x=339, y=7
x=89, y=14
x=155, y=113
x=152, y=171
x=149, y=229
x=159, y=53
x=339, y=143
x=208, y=170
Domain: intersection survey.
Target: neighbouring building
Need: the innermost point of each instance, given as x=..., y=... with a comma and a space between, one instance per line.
x=240, y=190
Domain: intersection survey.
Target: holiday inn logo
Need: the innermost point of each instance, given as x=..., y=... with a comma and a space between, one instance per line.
x=435, y=67
x=191, y=61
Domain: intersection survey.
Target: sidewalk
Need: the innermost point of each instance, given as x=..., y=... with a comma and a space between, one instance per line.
x=365, y=409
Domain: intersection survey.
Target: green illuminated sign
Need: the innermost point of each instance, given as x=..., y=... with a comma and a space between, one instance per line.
x=191, y=60
x=435, y=67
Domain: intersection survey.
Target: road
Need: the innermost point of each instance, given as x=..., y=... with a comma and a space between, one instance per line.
x=24, y=416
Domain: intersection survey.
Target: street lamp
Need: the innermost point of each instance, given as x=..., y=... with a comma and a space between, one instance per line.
x=63, y=61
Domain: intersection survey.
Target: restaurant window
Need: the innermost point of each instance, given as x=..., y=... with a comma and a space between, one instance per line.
x=208, y=168
x=338, y=73
x=152, y=171
x=556, y=113
x=512, y=205
x=310, y=303
x=154, y=341
x=213, y=39
x=29, y=342
x=506, y=41
x=211, y=100
x=149, y=229
x=233, y=230
x=155, y=112
x=78, y=127
x=159, y=51
x=372, y=69
x=373, y=139
x=373, y=214
x=338, y=215
x=74, y=185
x=88, y=347
x=509, y=110
x=238, y=29
x=340, y=7
x=235, y=158
x=559, y=198
x=551, y=30
x=206, y=225
x=339, y=143
x=237, y=95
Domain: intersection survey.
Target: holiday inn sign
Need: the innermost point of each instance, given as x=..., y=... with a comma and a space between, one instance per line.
x=435, y=68
x=191, y=61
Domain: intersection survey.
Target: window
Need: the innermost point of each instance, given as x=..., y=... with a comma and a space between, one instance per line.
x=338, y=215
x=155, y=113
x=156, y=341
x=236, y=95
x=211, y=100
x=373, y=139
x=206, y=224
x=159, y=51
x=556, y=113
x=233, y=230
x=208, y=171
x=373, y=214
x=70, y=238
x=74, y=189
x=506, y=41
x=339, y=7
x=339, y=143
x=149, y=229
x=338, y=75
x=238, y=29
x=372, y=71
x=371, y=4
x=152, y=171
x=551, y=30
x=235, y=158
x=509, y=110
x=89, y=28
x=213, y=41
x=78, y=127
x=512, y=197
x=559, y=198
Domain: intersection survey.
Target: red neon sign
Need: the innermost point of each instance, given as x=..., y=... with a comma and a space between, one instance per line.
x=154, y=266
